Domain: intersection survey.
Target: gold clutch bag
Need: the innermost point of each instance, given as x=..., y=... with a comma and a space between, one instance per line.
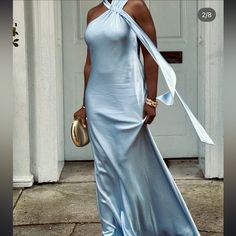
x=79, y=134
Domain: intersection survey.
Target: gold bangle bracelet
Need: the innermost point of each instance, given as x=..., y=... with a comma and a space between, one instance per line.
x=150, y=100
x=151, y=104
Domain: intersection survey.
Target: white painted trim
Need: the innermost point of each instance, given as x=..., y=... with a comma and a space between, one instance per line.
x=23, y=181
x=210, y=77
x=47, y=103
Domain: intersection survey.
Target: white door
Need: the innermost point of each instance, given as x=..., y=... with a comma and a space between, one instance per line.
x=176, y=25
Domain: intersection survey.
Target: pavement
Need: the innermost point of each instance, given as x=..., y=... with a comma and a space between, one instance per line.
x=68, y=207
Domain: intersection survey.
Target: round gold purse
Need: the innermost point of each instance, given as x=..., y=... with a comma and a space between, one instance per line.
x=79, y=134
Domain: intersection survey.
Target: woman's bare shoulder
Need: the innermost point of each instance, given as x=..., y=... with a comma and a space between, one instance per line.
x=136, y=8
x=93, y=11
x=141, y=14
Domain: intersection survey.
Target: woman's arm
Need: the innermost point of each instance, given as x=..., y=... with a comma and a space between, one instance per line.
x=87, y=68
x=141, y=14
x=82, y=111
x=87, y=65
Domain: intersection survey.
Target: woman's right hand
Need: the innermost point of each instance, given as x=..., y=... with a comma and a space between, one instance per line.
x=82, y=114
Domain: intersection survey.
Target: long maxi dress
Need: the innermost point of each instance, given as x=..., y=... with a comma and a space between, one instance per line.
x=136, y=194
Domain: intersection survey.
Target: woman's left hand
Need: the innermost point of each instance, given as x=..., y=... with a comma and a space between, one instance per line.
x=149, y=112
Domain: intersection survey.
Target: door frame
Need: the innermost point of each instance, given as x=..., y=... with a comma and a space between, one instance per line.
x=210, y=84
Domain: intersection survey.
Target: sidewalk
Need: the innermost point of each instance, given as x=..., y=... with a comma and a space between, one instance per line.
x=68, y=208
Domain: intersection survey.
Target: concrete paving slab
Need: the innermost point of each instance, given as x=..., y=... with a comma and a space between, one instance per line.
x=204, y=199
x=45, y=230
x=57, y=203
x=82, y=171
x=77, y=171
x=211, y=234
x=16, y=194
x=88, y=230
x=185, y=169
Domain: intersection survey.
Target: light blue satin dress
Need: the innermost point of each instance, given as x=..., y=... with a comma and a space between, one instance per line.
x=136, y=194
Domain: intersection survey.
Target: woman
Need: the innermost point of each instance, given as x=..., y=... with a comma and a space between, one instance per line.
x=136, y=194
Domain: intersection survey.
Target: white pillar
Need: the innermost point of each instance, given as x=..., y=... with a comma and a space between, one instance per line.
x=21, y=138
x=210, y=77
x=47, y=124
